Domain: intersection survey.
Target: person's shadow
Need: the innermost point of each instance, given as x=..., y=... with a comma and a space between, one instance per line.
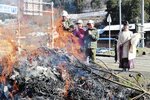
x=116, y=56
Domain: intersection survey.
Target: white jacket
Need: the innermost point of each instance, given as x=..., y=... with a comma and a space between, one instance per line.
x=124, y=38
x=134, y=41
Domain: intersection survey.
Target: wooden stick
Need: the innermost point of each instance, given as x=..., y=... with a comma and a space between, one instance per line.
x=136, y=97
x=138, y=88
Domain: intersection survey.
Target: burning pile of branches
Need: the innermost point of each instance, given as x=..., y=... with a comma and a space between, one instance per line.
x=54, y=74
x=67, y=41
x=59, y=74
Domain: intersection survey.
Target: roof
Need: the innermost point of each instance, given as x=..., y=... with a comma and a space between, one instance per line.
x=107, y=39
x=90, y=14
x=146, y=26
x=131, y=26
x=117, y=27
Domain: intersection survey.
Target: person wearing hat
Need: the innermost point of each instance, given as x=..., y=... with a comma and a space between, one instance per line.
x=123, y=46
x=91, y=40
x=80, y=33
x=66, y=21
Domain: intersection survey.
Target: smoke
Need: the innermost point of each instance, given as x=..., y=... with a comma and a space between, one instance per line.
x=11, y=2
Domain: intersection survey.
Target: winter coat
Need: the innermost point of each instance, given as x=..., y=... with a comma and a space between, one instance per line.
x=80, y=33
x=124, y=40
x=91, y=38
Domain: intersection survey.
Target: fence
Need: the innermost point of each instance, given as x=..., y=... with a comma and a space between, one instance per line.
x=29, y=30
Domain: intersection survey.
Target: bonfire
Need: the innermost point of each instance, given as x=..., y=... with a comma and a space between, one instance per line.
x=61, y=74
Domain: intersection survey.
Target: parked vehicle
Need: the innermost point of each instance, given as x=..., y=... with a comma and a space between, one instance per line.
x=103, y=50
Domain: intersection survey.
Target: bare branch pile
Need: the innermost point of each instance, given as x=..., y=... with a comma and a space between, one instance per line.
x=51, y=74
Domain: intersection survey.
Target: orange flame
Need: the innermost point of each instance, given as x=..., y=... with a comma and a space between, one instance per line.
x=66, y=77
x=65, y=40
x=8, y=60
x=68, y=41
x=3, y=79
x=15, y=87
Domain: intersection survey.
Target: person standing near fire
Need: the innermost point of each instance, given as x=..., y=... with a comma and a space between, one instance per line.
x=90, y=41
x=124, y=45
x=80, y=33
x=66, y=21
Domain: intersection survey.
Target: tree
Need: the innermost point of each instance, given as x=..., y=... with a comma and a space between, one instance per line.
x=147, y=9
x=79, y=4
x=113, y=10
x=96, y=4
x=93, y=5
x=131, y=10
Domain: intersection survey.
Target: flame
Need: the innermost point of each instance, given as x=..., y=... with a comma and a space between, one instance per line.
x=66, y=77
x=65, y=40
x=2, y=79
x=8, y=60
x=68, y=41
x=15, y=87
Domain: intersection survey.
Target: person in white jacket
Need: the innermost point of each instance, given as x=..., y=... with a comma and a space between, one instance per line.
x=123, y=45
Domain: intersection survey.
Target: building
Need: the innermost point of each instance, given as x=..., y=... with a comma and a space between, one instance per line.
x=115, y=31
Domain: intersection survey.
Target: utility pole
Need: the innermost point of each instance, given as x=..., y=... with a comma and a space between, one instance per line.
x=120, y=17
x=142, y=24
x=52, y=6
x=109, y=20
x=19, y=27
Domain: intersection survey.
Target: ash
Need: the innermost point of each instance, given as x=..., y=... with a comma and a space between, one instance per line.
x=51, y=74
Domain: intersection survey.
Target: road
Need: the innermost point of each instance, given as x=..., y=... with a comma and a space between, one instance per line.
x=142, y=63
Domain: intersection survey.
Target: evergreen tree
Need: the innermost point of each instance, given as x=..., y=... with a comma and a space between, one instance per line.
x=131, y=10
